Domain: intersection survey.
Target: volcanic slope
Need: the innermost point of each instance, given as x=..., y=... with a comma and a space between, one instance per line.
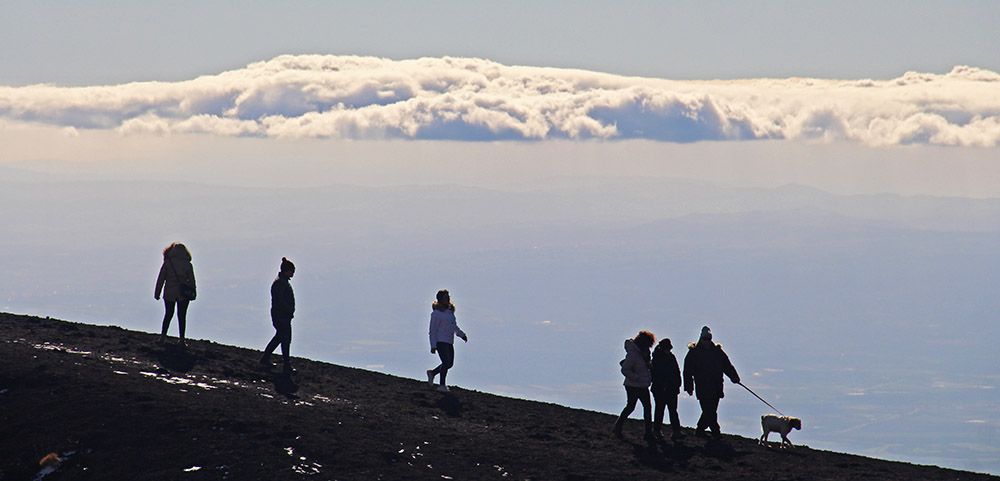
x=114, y=405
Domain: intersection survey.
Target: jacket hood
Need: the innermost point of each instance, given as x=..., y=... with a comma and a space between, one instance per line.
x=630, y=346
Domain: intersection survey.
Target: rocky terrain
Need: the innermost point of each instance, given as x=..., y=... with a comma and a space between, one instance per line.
x=104, y=403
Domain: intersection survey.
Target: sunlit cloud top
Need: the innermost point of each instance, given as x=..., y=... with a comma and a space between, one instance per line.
x=315, y=96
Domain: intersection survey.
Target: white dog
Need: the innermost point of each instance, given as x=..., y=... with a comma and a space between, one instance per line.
x=778, y=424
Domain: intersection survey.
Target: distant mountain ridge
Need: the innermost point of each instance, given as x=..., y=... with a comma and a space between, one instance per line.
x=115, y=405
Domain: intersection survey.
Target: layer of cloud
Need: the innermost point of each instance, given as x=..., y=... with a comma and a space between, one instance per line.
x=473, y=99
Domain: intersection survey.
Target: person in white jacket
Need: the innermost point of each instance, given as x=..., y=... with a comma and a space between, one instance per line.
x=636, y=369
x=442, y=333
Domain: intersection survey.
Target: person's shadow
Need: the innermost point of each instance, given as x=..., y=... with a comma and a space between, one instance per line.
x=285, y=385
x=720, y=449
x=672, y=455
x=446, y=402
x=450, y=405
x=176, y=358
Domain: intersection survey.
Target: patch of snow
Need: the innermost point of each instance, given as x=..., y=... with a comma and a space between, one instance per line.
x=307, y=469
x=178, y=380
x=58, y=347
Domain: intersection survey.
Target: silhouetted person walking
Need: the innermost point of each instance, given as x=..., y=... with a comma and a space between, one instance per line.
x=666, y=386
x=442, y=331
x=704, y=365
x=282, y=312
x=177, y=284
x=635, y=368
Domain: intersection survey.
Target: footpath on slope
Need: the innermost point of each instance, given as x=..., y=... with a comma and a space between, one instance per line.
x=114, y=405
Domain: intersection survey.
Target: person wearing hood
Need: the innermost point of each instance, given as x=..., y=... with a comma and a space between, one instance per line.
x=177, y=285
x=635, y=368
x=282, y=312
x=704, y=365
x=666, y=386
x=442, y=331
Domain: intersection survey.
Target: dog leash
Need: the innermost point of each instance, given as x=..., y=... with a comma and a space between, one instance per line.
x=761, y=399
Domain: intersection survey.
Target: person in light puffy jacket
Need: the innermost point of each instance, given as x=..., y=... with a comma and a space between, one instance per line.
x=175, y=270
x=704, y=365
x=636, y=369
x=442, y=331
x=282, y=312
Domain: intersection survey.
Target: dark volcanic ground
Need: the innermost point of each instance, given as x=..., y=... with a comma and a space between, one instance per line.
x=117, y=406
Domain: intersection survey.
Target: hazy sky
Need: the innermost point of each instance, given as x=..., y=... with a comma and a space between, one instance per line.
x=96, y=42
x=550, y=136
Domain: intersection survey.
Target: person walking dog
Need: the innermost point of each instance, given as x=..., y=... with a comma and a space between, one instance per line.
x=442, y=331
x=176, y=283
x=704, y=365
x=282, y=312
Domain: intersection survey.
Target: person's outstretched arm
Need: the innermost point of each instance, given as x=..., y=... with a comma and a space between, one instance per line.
x=730, y=370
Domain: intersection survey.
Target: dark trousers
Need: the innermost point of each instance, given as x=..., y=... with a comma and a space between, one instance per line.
x=447, y=354
x=283, y=336
x=633, y=395
x=168, y=314
x=709, y=414
x=669, y=401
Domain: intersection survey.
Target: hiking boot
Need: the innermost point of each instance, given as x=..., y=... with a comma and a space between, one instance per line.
x=442, y=388
x=288, y=369
x=265, y=363
x=430, y=377
x=658, y=435
x=617, y=431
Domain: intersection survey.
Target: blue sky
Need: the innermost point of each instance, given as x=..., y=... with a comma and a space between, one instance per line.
x=98, y=42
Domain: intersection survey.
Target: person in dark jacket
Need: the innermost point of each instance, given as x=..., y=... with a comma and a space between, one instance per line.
x=175, y=270
x=635, y=368
x=282, y=312
x=704, y=365
x=666, y=387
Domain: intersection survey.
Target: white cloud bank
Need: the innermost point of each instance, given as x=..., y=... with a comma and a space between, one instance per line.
x=474, y=99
